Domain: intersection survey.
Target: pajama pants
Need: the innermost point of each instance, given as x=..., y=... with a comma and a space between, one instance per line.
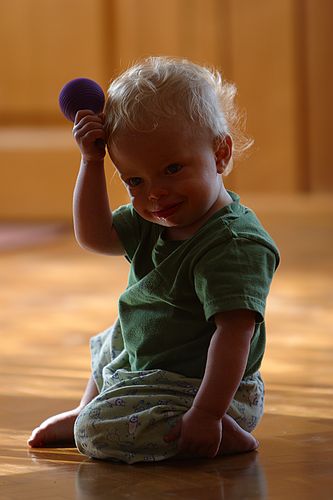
x=133, y=411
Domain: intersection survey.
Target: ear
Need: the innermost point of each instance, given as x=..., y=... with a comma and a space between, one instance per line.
x=223, y=152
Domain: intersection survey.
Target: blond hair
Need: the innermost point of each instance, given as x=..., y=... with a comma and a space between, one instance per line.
x=161, y=88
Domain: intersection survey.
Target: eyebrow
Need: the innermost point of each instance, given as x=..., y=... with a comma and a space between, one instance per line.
x=126, y=175
x=134, y=172
x=122, y=175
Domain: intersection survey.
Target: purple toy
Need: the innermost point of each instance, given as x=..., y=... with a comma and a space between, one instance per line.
x=81, y=93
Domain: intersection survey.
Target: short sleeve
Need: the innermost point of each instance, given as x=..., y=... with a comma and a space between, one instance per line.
x=235, y=274
x=129, y=228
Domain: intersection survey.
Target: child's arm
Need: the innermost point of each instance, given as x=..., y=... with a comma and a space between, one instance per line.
x=200, y=431
x=226, y=361
x=91, y=211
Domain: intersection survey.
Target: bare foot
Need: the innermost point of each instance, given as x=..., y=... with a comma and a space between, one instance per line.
x=56, y=429
x=235, y=439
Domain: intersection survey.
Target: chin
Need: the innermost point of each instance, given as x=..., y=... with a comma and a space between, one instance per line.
x=164, y=222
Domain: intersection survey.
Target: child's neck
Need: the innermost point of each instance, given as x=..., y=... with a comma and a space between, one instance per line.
x=184, y=233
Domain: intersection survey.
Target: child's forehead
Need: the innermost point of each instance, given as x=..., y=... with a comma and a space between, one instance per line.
x=168, y=134
x=164, y=145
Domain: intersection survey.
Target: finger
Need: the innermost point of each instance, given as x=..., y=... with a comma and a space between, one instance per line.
x=82, y=113
x=187, y=446
x=88, y=121
x=83, y=128
x=82, y=131
x=92, y=136
x=207, y=452
x=197, y=450
x=174, y=433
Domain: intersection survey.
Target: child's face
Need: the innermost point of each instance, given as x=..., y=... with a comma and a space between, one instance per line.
x=172, y=175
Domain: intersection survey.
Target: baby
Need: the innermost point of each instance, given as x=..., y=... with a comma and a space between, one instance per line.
x=177, y=375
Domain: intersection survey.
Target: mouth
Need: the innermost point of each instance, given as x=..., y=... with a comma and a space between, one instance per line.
x=167, y=211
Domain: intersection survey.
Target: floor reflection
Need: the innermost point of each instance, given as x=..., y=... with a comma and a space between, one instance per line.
x=222, y=478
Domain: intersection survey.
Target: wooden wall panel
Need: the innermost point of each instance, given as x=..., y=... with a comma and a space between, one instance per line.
x=262, y=60
x=318, y=48
x=44, y=43
x=278, y=53
x=38, y=172
x=147, y=27
x=186, y=28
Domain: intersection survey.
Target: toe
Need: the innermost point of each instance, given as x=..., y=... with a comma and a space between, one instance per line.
x=35, y=440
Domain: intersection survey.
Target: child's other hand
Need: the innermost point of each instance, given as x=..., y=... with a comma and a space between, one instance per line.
x=199, y=433
x=89, y=134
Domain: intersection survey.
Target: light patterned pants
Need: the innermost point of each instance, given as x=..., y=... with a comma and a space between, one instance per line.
x=134, y=410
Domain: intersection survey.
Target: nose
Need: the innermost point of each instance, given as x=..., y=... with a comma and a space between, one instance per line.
x=156, y=191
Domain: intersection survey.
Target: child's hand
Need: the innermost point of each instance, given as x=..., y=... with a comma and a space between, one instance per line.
x=199, y=433
x=89, y=134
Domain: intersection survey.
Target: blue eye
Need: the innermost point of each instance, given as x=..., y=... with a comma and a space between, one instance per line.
x=133, y=181
x=173, y=168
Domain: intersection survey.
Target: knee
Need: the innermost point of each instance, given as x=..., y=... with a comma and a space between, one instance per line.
x=102, y=434
x=87, y=432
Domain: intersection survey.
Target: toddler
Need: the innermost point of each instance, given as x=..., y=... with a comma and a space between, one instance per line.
x=177, y=375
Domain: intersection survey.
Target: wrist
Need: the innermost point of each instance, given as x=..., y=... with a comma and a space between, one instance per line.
x=207, y=412
x=87, y=162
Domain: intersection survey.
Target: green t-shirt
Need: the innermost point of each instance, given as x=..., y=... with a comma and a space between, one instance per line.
x=176, y=287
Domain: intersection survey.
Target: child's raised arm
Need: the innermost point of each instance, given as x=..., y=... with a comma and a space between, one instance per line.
x=91, y=210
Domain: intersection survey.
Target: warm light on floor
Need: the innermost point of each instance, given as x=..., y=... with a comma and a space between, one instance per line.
x=55, y=296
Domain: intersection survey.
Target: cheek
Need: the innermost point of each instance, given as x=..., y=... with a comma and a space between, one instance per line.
x=137, y=203
x=199, y=184
x=204, y=189
x=133, y=193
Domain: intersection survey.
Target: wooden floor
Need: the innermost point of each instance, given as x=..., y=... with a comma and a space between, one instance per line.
x=54, y=296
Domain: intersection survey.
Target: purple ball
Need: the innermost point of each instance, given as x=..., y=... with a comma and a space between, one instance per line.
x=81, y=93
